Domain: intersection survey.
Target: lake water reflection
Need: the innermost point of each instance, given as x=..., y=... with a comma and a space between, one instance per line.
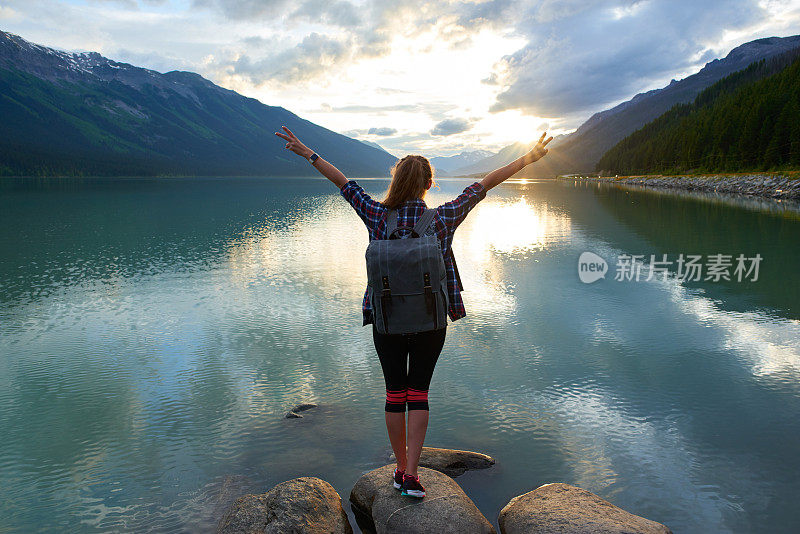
x=154, y=332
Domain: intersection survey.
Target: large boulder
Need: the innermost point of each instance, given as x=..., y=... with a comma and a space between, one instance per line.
x=561, y=508
x=381, y=509
x=305, y=505
x=452, y=462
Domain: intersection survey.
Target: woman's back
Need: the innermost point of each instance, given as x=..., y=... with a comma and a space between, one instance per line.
x=448, y=216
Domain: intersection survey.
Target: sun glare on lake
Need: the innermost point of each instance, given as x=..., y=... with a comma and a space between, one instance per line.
x=514, y=227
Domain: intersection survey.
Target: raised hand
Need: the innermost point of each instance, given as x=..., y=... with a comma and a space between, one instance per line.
x=294, y=144
x=498, y=176
x=538, y=151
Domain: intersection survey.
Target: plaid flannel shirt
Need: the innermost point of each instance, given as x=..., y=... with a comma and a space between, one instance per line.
x=448, y=216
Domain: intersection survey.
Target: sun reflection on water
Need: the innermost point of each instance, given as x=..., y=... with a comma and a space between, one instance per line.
x=321, y=250
x=499, y=230
x=513, y=227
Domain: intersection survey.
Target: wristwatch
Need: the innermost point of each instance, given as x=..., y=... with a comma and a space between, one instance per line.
x=313, y=157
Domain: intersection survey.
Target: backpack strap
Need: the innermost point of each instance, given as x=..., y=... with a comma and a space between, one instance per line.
x=425, y=221
x=391, y=222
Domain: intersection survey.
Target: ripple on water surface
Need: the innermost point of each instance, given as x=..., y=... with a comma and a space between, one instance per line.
x=151, y=349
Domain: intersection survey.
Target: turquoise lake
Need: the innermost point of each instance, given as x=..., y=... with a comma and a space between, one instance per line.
x=154, y=332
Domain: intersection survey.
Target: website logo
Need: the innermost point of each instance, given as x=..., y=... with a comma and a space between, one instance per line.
x=591, y=267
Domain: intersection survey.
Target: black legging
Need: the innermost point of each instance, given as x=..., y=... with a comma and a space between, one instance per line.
x=408, y=361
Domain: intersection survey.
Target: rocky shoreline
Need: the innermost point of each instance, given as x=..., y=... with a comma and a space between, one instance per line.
x=758, y=185
x=309, y=505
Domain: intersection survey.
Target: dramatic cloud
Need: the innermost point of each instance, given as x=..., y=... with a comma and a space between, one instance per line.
x=334, y=13
x=313, y=56
x=244, y=9
x=382, y=131
x=506, y=65
x=135, y=3
x=347, y=33
x=580, y=55
x=331, y=12
x=451, y=126
x=584, y=55
x=434, y=110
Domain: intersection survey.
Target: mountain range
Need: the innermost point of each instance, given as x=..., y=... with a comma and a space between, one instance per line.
x=453, y=164
x=84, y=114
x=503, y=157
x=580, y=151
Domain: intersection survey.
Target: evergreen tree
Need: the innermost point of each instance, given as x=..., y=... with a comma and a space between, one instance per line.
x=747, y=121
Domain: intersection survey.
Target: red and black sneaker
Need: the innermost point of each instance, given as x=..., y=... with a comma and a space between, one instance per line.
x=397, y=478
x=412, y=487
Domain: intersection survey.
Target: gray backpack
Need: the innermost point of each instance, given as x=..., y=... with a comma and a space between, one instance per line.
x=407, y=279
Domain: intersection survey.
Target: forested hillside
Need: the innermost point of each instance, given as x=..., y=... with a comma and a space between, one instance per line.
x=84, y=114
x=580, y=151
x=747, y=121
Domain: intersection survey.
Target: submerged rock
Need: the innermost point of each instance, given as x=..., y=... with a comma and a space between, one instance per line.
x=305, y=505
x=304, y=406
x=562, y=508
x=381, y=509
x=452, y=462
x=294, y=412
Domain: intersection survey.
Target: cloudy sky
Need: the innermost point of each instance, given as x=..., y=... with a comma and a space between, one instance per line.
x=416, y=76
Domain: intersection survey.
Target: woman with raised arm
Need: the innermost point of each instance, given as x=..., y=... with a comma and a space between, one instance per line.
x=408, y=360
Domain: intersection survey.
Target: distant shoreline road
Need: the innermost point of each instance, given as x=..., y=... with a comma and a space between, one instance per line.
x=765, y=185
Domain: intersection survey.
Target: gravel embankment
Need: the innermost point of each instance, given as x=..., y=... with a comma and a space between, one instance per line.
x=761, y=185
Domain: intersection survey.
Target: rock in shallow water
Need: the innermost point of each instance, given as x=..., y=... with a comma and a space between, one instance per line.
x=562, y=508
x=452, y=462
x=294, y=413
x=303, y=407
x=305, y=505
x=380, y=509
